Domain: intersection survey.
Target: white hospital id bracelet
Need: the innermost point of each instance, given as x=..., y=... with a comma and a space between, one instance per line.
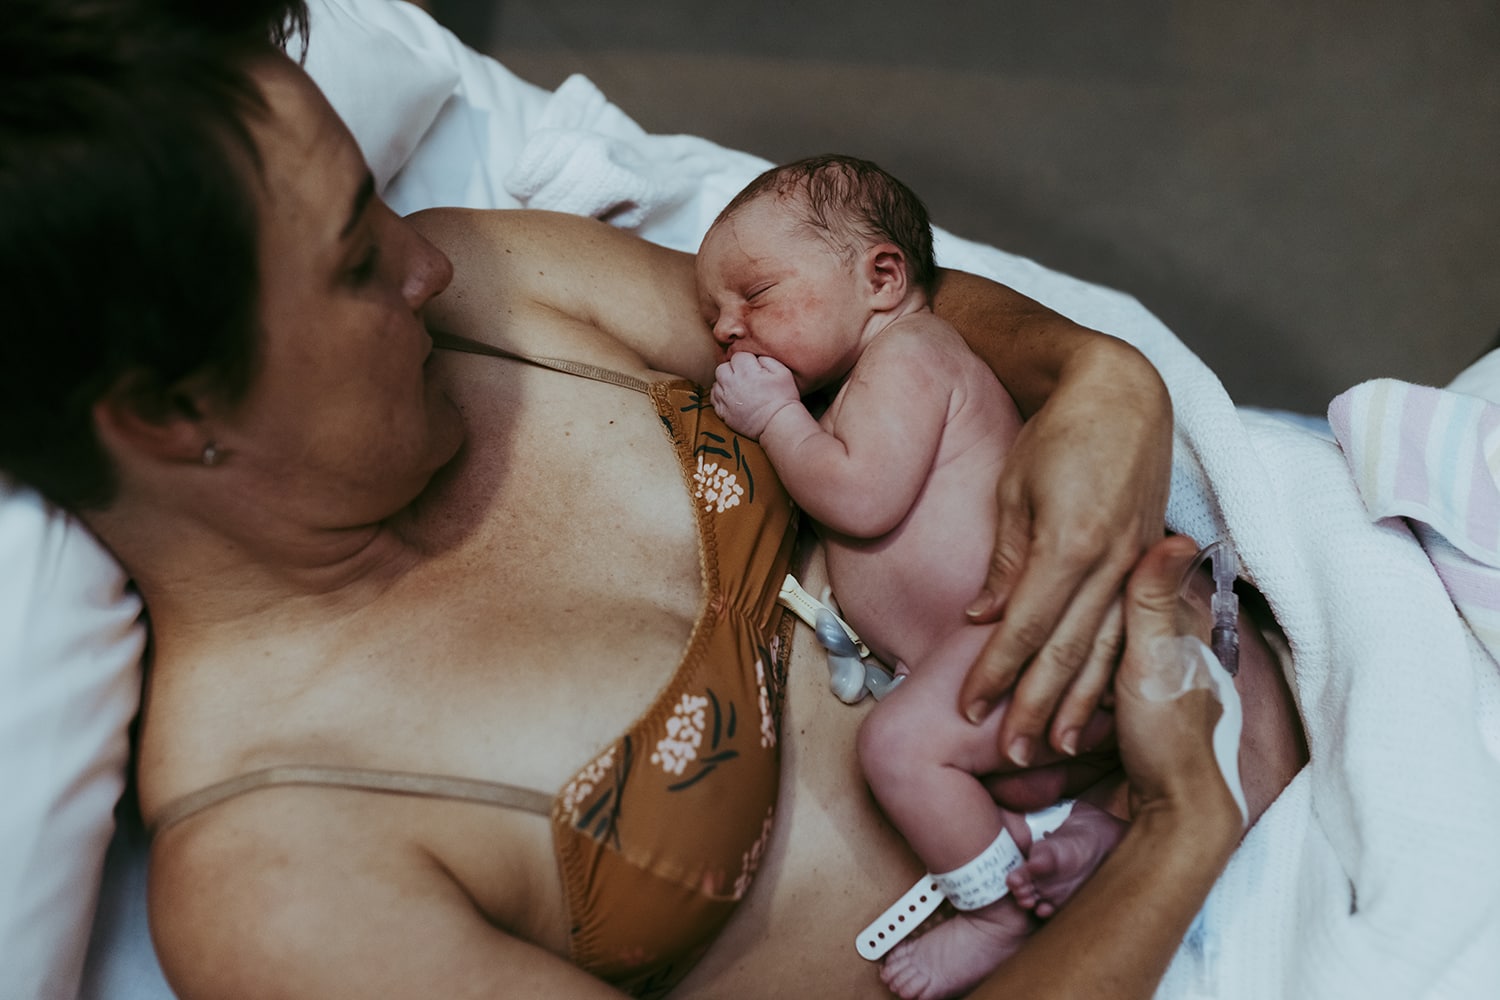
x=901, y=919
x=982, y=881
x=978, y=883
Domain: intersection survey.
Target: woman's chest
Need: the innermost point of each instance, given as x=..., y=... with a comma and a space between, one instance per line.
x=565, y=486
x=560, y=584
x=542, y=641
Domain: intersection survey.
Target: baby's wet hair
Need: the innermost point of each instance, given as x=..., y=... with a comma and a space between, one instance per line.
x=851, y=203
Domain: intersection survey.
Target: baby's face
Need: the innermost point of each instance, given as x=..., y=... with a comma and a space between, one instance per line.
x=768, y=288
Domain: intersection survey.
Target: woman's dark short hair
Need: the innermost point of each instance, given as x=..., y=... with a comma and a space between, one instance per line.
x=852, y=203
x=128, y=225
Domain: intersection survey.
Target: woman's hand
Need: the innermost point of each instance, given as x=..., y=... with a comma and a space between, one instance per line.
x=1165, y=712
x=1082, y=495
x=1116, y=937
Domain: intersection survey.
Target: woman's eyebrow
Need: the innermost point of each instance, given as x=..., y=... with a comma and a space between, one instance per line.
x=361, y=199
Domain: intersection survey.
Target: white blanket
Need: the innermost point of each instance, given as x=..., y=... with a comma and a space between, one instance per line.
x=1379, y=878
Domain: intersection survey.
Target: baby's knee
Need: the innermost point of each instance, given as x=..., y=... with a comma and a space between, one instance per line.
x=896, y=746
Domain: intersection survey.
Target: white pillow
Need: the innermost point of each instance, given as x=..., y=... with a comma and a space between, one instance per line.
x=70, y=650
x=387, y=91
x=70, y=634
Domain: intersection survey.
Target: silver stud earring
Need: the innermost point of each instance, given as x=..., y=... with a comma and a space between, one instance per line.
x=211, y=454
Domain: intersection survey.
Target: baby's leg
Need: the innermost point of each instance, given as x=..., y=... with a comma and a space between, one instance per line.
x=922, y=760
x=1057, y=865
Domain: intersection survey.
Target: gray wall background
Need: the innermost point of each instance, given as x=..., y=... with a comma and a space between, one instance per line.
x=1308, y=193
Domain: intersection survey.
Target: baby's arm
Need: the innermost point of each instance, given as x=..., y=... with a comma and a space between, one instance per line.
x=859, y=475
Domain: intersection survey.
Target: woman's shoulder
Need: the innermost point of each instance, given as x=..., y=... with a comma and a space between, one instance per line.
x=525, y=279
x=511, y=272
x=277, y=899
x=238, y=884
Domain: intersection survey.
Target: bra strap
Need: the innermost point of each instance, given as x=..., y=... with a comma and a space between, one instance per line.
x=360, y=779
x=454, y=342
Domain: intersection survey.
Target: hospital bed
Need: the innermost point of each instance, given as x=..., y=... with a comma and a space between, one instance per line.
x=1374, y=874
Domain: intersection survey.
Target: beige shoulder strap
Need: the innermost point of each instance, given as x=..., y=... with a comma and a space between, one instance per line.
x=360, y=779
x=454, y=342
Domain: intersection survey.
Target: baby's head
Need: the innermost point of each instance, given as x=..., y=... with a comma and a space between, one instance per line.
x=811, y=260
x=850, y=204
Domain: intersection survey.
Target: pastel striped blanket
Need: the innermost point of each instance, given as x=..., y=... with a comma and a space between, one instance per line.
x=1432, y=456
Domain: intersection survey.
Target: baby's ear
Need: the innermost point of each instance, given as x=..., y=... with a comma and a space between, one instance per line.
x=885, y=272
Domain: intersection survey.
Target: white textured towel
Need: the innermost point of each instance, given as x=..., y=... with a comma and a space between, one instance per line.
x=1379, y=878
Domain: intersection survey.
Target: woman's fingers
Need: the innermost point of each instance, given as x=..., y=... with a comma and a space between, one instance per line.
x=1057, y=625
x=1082, y=698
x=1049, y=629
x=1164, y=722
x=1081, y=496
x=1007, y=561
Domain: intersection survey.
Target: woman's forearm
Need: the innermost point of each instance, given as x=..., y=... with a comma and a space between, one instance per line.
x=1026, y=344
x=1116, y=937
x=1035, y=350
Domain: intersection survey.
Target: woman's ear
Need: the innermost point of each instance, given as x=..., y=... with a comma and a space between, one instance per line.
x=885, y=272
x=165, y=425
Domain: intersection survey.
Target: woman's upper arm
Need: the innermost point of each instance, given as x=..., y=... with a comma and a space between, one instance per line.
x=1024, y=342
x=638, y=293
x=246, y=918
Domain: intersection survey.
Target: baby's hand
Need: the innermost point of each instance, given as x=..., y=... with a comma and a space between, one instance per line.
x=749, y=390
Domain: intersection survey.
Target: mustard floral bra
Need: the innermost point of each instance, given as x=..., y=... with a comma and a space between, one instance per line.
x=657, y=838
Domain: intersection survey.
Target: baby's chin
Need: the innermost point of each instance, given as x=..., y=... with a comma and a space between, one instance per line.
x=828, y=382
x=817, y=399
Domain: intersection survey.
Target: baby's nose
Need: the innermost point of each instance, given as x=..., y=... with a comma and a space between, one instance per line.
x=728, y=329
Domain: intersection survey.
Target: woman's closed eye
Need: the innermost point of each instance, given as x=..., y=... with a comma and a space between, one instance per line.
x=364, y=270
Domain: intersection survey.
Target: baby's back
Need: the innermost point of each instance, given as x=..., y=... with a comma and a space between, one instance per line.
x=905, y=590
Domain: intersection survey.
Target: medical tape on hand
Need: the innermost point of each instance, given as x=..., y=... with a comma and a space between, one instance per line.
x=976, y=884
x=1200, y=669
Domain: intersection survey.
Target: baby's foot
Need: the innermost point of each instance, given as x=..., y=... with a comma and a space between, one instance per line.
x=1058, y=865
x=953, y=957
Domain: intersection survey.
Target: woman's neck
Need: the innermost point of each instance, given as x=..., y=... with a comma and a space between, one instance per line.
x=197, y=578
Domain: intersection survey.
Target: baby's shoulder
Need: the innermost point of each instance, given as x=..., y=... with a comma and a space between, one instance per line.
x=923, y=337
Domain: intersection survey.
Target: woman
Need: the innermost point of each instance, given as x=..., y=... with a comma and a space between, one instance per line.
x=372, y=560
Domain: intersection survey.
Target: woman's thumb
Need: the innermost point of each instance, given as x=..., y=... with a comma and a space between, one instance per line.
x=1152, y=604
